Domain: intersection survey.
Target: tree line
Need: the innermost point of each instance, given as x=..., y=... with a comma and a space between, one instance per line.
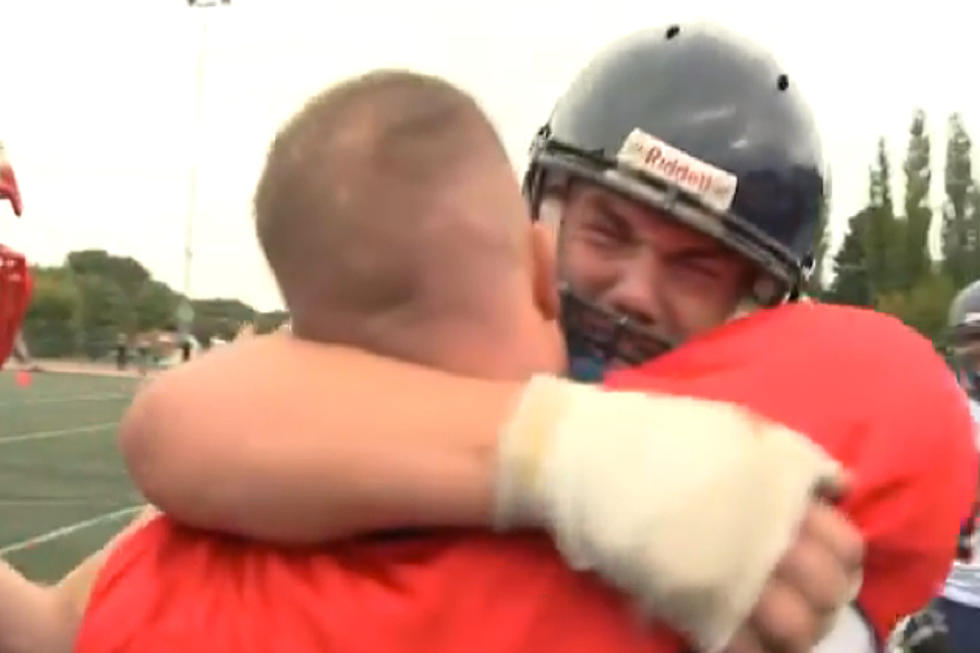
x=885, y=261
x=83, y=306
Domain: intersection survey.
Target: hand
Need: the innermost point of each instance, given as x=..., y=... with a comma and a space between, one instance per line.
x=685, y=505
x=816, y=576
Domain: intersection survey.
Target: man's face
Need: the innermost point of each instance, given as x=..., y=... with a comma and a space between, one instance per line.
x=627, y=257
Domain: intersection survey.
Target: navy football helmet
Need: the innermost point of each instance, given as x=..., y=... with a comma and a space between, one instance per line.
x=703, y=127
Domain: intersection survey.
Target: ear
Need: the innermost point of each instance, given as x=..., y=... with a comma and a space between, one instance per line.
x=545, y=284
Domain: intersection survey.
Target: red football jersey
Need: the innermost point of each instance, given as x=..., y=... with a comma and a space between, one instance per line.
x=168, y=589
x=876, y=397
x=862, y=385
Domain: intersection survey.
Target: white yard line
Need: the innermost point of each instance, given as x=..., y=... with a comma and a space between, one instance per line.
x=44, y=435
x=58, y=400
x=69, y=530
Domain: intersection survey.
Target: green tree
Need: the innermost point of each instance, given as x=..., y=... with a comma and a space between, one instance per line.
x=924, y=306
x=970, y=264
x=882, y=232
x=105, y=313
x=851, y=282
x=94, y=296
x=918, y=214
x=207, y=328
x=51, y=327
x=155, y=306
x=220, y=318
x=127, y=272
x=956, y=209
x=232, y=309
x=269, y=322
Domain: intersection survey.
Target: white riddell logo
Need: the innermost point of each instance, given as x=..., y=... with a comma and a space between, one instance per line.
x=653, y=157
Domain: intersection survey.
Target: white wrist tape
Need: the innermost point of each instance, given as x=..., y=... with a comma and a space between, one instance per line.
x=685, y=504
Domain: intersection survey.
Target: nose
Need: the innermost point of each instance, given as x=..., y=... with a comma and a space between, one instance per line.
x=634, y=293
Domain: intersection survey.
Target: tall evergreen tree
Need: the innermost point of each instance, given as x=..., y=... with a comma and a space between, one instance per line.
x=882, y=239
x=970, y=264
x=924, y=306
x=918, y=214
x=851, y=284
x=957, y=208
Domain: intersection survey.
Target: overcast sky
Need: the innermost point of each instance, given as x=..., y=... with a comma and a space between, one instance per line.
x=97, y=99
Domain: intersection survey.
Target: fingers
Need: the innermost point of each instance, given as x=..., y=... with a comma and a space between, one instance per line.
x=812, y=581
x=746, y=641
x=828, y=527
x=815, y=573
x=784, y=621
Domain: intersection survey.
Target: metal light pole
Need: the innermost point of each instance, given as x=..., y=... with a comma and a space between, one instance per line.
x=185, y=313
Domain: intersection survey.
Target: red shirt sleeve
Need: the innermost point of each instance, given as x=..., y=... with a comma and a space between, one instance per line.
x=876, y=396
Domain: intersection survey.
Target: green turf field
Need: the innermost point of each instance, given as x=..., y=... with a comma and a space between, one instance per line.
x=63, y=489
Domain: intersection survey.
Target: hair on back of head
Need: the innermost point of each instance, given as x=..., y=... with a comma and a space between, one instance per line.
x=354, y=208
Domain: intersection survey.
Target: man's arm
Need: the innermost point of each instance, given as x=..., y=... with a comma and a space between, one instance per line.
x=73, y=590
x=31, y=620
x=296, y=442
x=44, y=619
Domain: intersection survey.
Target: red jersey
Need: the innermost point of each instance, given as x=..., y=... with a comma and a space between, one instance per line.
x=876, y=397
x=860, y=384
x=170, y=589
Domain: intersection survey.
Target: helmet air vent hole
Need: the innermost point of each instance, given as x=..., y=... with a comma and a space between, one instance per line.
x=673, y=31
x=782, y=82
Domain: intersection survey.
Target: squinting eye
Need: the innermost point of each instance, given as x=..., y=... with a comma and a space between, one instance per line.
x=606, y=232
x=693, y=269
x=609, y=228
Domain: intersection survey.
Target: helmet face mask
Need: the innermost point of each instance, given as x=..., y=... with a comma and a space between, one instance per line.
x=599, y=340
x=697, y=126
